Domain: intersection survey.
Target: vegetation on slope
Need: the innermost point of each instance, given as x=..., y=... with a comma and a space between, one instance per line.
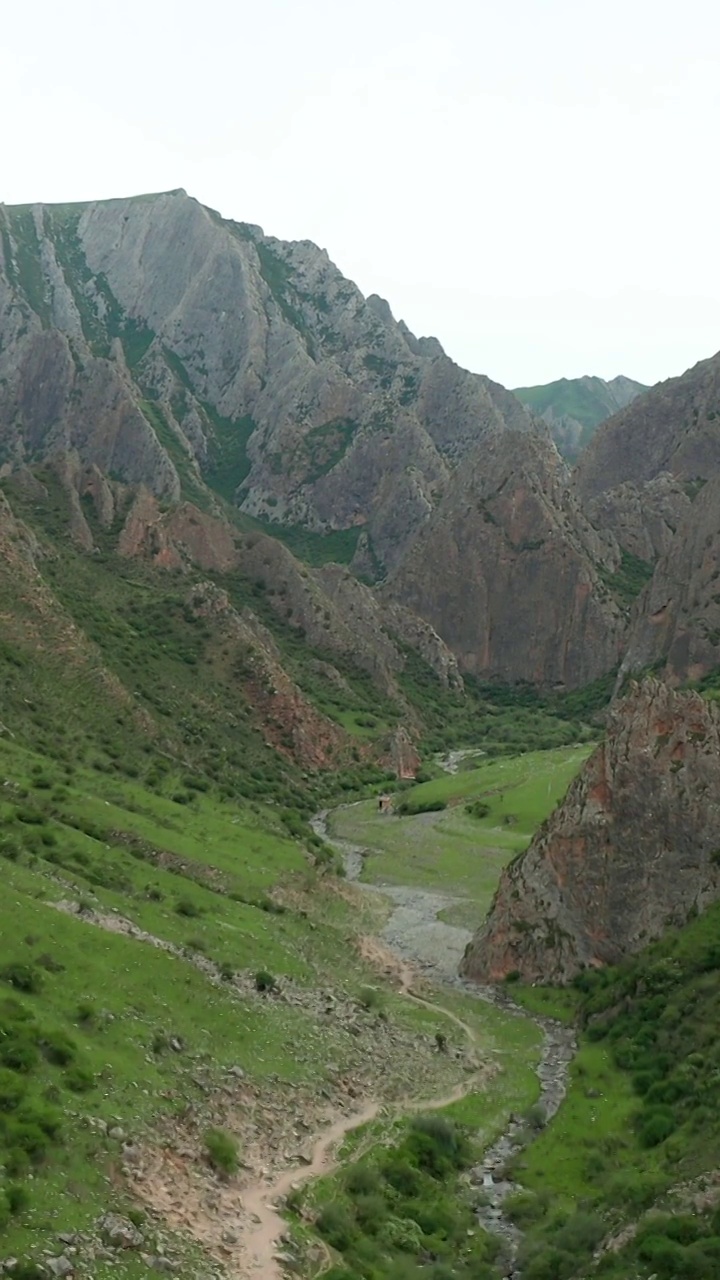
x=456, y=832
x=632, y=1156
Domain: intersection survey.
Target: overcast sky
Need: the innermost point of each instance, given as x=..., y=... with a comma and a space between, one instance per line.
x=533, y=181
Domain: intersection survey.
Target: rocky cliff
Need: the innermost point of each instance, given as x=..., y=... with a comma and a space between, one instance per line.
x=510, y=572
x=631, y=850
x=574, y=407
x=649, y=477
x=676, y=625
x=674, y=427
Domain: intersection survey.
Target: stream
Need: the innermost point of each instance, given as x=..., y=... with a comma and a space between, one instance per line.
x=415, y=934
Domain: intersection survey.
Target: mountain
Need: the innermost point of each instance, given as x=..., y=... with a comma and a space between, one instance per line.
x=151, y=344
x=574, y=407
x=674, y=427
x=650, y=478
x=630, y=851
x=172, y=347
x=511, y=572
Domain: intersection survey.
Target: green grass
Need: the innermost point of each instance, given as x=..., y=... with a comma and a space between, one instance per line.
x=630, y=578
x=450, y=850
x=639, y=1127
x=114, y=847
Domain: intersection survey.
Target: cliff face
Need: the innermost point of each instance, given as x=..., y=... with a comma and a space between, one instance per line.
x=508, y=569
x=677, y=621
x=631, y=850
x=673, y=427
x=642, y=517
x=151, y=344
x=650, y=477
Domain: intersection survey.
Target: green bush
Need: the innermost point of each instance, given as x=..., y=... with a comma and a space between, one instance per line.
x=187, y=907
x=58, y=1048
x=24, y=977
x=336, y=1225
x=221, y=1149
x=655, y=1125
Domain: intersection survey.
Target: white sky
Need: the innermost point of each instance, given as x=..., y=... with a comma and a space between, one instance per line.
x=534, y=181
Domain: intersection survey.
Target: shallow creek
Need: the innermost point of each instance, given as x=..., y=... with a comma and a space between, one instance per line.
x=435, y=948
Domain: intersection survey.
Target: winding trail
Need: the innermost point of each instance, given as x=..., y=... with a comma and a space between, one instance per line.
x=419, y=939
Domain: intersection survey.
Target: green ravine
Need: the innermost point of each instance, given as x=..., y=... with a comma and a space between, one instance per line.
x=184, y=971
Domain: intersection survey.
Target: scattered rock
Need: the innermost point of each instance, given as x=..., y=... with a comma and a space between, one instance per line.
x=119, y=1232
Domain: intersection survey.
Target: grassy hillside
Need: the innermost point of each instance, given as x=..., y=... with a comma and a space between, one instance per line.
x=634, y=1151
x=183, y=997
x=147, y=946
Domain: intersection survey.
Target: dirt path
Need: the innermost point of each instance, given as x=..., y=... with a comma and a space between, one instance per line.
x=242, y=1227
x=262, y=1240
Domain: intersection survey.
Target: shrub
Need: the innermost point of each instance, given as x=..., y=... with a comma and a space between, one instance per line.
x=58, y=1048
x=370, y=998
x=187, y=907
x=18, y=1197
x=437, y=1145
x=370, y=1212
x=409, y=808
x=402, y=1176
x=24, y=977
x=79, y=1080
x=222, y=1151
x=536, y=1116
x=264, y=981
x=524, y=1207
x=85, y=1012
x=362, y=1180
x=337, y=1226
x=655, y=1125
x=477, y=809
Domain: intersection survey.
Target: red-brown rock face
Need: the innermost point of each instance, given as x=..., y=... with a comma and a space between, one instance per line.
x=633, y=849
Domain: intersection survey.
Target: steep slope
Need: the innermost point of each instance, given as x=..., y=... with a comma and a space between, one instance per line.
x=649, y=477
x=673, y=427
x=677, y=622
x=630, y=851
x=574, y=407
x=171, y=347
x=510, y=573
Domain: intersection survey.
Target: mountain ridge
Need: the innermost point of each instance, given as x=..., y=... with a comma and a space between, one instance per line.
x=574, y=407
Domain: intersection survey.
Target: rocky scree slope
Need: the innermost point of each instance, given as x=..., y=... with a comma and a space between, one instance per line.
x=574, y=407
x=632, y=849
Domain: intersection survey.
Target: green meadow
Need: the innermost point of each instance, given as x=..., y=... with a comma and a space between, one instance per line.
x=441, y=843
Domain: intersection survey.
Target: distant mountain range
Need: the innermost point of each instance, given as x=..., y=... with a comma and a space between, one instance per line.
x=574, y=407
